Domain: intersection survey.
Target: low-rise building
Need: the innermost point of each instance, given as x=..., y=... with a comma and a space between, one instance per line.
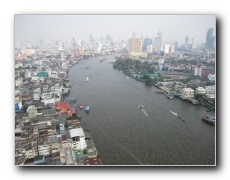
x=49, y=100
x=78, y=137
x=211, y=77
x=187, y=93
x=18, y=103
x=37, y=94
x=43, y=149
x=210, y=91
x=32, y=111
x=200, y=90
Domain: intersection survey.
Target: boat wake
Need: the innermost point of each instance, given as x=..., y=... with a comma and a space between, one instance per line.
x=175, y=114
x=144, y=112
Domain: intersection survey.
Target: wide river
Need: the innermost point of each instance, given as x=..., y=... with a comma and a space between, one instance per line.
x=124, y=134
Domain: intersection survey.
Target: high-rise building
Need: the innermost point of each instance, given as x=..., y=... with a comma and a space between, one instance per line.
x=159, y=34
x=186, y=41
x=41, y=43
x=177, y=44
x=74, y=42
x=150, y=48
x=134, y=35
x=171, y=48
x=166, y=49
x=146, y=42
x=194, y=45
x=158, y=42
x=109, y=39
x=135, y=48
x=210, y=39
x=91, y=39
x=134, y=45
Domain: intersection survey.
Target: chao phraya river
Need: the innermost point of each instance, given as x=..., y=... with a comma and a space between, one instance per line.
x=124, y=134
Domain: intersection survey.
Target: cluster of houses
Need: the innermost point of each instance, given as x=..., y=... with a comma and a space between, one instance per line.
x=188, y=91
x=47, y=131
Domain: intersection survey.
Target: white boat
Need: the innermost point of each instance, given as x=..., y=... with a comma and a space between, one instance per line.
x=87, y=79
x=140, y=106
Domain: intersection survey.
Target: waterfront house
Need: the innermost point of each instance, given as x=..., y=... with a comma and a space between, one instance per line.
x=78, y=137
x=200, y=90
x=210, y=91
x=63, y=108
x=187, y=93
x=92, y=161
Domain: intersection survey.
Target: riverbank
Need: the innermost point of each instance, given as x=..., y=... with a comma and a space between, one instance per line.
x=92, y=157
x=167, y=91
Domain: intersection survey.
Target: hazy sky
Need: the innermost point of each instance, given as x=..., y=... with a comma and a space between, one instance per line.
x=30, y=28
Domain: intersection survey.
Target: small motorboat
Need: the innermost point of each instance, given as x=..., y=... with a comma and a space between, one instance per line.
x=140, y=106
x=87, y=109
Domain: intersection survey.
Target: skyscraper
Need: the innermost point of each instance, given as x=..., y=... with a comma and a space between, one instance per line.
x=91, y=39
x=135, y=48
x=186, y=41
x=158, y=42
x=166, y=49
x=134, y=45
x=194, y=45
x=147, y=41
x=134, y=35
x=109, y=40
x=210, y=39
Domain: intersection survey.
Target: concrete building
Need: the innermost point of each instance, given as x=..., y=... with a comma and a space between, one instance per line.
x=194, y=43
x=210, y=91
x=210, y=39
x=18, y=82
x=62, y=129
x=166, y=48
x=135, y=48
x=200, y=90
x=37, y=94
x=146, y=42
x=161, y=61
x=134, y=45
x=18, y=103
x=49, y=100
x=187, y=93
x=43, y=149
x=198, y=71
x=171, y=48
x=186, y=41
x=32, y=111
x=211, y=77
x=78, y=137
x=149, y=48
x=158, y=44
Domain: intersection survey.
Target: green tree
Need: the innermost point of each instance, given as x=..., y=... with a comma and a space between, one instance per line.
x=199, y=97
x=85, y=151
x=24, y=107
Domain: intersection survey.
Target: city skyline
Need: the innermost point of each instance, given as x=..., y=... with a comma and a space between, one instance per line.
x=31, y=28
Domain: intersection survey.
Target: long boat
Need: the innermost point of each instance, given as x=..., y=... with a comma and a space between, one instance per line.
x=209, y=120
x=71, y=99
x=80, y=106
x=102, y=60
